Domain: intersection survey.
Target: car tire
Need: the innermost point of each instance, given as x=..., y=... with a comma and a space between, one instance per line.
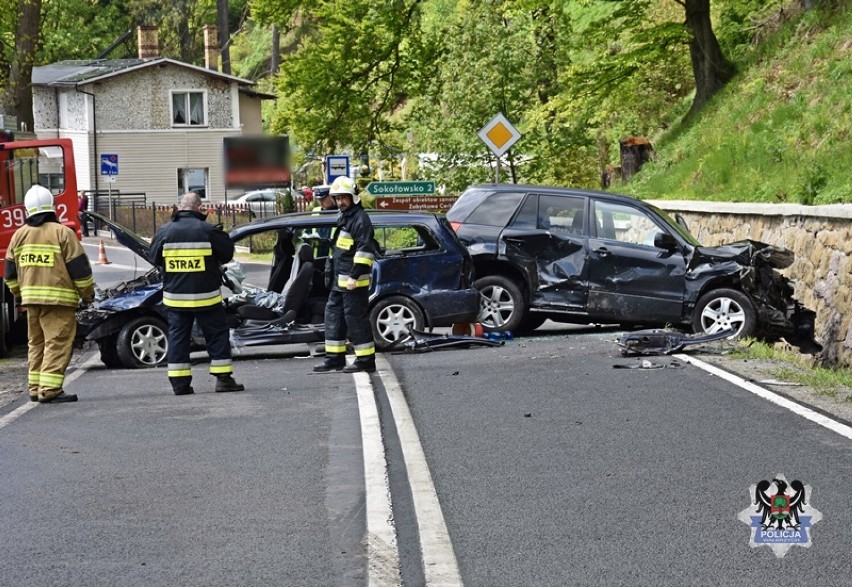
x=724, y=308
x=109, y=353
x=501, y=304
x=391, y=319
x=143, y=343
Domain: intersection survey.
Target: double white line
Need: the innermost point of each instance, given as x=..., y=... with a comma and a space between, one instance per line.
x=439, y=560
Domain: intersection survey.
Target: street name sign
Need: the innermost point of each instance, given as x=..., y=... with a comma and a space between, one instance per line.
x=415, y=203
x=401, y=188
x=499, y=134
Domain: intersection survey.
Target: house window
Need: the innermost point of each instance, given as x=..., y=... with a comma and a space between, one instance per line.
x=192, y=180
x=188, y=109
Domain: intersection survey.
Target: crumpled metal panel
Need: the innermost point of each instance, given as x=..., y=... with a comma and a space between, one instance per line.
x=133, y=299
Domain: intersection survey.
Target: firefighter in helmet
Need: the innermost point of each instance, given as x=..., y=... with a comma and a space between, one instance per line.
x=350, y=268
x=48, y=272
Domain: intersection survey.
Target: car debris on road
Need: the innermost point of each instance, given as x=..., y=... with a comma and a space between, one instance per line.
x=424, y=341
x=663, y=341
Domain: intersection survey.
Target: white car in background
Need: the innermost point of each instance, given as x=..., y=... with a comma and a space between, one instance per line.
x=261, y=203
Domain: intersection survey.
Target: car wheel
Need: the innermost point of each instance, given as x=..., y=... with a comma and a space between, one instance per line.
x=722, y=309
x=143, y=343
x=109, y=352
x=391, y=319
x=501, y=305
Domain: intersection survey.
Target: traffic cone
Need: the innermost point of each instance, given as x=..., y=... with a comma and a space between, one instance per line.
x=102, y=258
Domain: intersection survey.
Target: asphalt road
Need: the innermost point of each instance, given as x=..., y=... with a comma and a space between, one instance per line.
x=535, y=463
x=554, y=468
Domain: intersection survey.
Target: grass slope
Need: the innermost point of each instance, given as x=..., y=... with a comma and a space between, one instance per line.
x=781, y=131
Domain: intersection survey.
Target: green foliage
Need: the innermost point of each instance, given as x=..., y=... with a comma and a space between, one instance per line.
x=778, y=133
x=349, y=75
x=285, y=203
x=415, y=80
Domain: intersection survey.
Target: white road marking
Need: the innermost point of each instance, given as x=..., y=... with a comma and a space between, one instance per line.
x=440, y=566
x=23, y=409
x=779, y=400
x=17, y=413
x=382, y=553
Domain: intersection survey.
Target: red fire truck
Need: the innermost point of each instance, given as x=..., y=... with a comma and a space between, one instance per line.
x=24, y=162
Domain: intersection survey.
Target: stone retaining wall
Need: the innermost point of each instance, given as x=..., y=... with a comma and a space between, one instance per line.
x=820, y=237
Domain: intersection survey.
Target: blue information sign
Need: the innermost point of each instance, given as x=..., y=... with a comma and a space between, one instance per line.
x=109, y=164
x=335, y=166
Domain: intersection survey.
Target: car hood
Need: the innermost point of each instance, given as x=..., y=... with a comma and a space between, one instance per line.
x=745, y=252
x=125, y=236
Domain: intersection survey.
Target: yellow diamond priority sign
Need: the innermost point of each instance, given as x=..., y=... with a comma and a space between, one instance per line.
x=499, y=134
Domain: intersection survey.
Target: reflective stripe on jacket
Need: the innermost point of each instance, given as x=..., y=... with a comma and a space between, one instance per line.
x=190, y=252
x=46, y=265
x=354, y=248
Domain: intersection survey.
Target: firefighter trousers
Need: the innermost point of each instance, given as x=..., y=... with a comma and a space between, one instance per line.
x=213, y=324
x=51, y=332
x=347, y=315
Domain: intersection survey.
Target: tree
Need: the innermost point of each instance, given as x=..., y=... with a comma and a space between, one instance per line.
x=710, y=68
x=356, y=64
x=17, y=97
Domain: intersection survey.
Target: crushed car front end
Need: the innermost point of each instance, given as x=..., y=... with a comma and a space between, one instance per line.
x=753, y=268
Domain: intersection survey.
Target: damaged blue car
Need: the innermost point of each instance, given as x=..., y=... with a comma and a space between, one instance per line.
x=422, y=278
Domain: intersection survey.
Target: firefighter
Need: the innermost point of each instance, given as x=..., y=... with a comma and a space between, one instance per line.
x=346, y=312
x=322, y=235
x=48, y=273
x=190, y=253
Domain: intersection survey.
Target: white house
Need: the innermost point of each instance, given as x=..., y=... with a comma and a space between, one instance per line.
x=164, y=119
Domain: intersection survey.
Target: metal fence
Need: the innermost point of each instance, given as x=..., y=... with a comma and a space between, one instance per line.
x=132, y=211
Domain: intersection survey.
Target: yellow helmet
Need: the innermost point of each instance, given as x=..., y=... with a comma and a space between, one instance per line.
x=344, y=185
x=38, y=200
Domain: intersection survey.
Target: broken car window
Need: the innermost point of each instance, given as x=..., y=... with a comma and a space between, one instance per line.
x=625, y=224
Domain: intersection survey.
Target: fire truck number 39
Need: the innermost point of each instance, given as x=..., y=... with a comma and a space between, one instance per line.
x=15, y=217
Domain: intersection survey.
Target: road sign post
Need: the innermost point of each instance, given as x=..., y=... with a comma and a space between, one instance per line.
x=109, y=169
x=499, y=135
x=336, y=166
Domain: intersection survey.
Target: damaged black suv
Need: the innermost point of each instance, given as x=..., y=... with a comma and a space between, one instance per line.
x=582, y=256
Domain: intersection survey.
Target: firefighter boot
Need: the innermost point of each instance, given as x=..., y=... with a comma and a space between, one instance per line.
x=227, y=383
x=59, y=398
x=331, y=363
x=361, y=367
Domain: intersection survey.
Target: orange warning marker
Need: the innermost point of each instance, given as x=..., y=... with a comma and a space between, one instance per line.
x=102, y=258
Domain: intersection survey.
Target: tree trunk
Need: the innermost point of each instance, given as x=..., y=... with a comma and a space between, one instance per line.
x=18, y=97
x=224, y=35
x=276, y=51
x=710, y=68
x=635, y=152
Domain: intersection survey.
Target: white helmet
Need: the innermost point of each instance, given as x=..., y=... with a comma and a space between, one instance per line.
x=344, y=185
x=38, y=200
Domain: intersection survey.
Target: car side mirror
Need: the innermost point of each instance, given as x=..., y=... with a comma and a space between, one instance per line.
x=663, y=240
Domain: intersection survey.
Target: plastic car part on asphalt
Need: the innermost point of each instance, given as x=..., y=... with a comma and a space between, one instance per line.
x=664, y=341
x=425, y=341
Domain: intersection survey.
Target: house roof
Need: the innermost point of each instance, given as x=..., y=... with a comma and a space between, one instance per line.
x=74, y=72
